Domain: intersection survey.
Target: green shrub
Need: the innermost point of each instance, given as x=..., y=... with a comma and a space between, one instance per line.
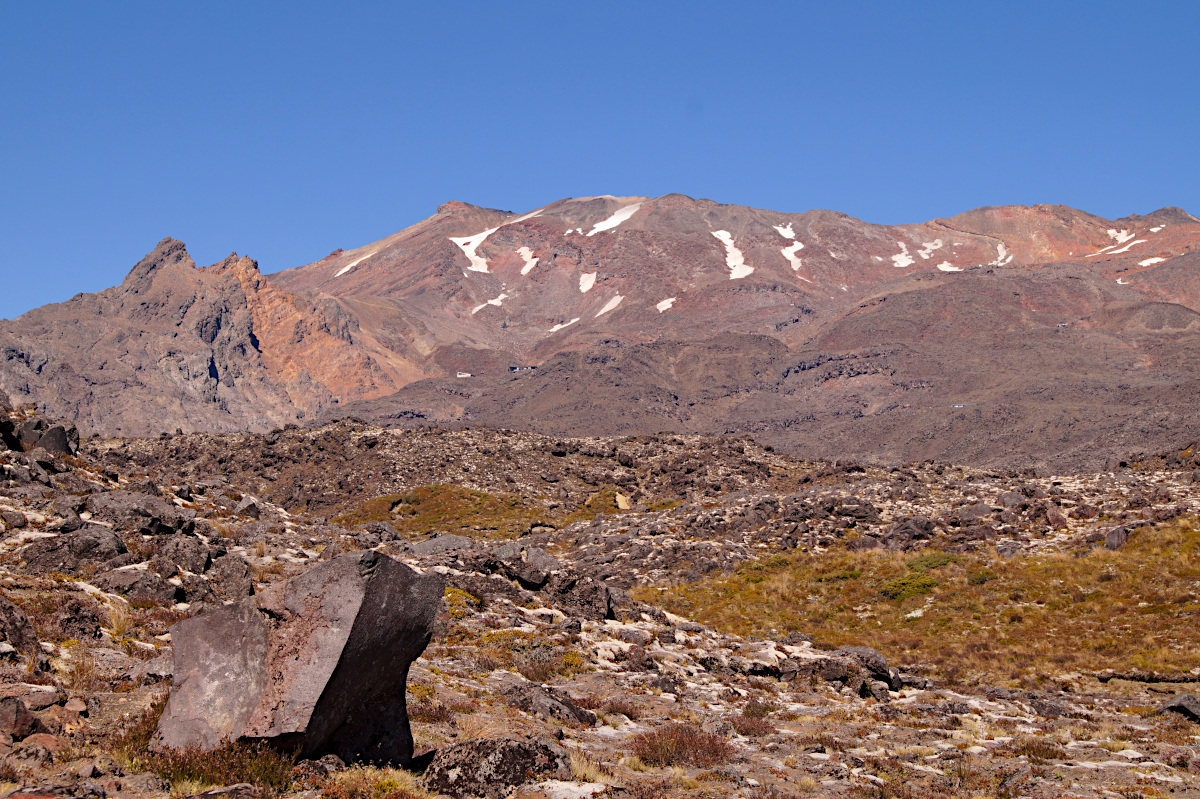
x=909, y=585
x=979, y=578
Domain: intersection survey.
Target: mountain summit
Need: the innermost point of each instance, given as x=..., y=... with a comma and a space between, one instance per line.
x=1062, y=335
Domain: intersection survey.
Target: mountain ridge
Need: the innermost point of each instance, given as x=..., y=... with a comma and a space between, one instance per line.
x=1073, y=320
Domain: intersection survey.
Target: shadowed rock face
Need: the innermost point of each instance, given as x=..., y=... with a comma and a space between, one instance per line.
x=319, y=665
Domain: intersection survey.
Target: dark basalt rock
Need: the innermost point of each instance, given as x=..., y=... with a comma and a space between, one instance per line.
x=65, y=553
x=318, y=666
x=489, y=768
x=1186, y=705
x=230, y=578
x=138, y=585
x=15, y=628
x=545, y=701
x=142, y=513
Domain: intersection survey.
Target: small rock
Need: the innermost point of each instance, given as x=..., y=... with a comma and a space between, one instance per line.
x=1186, y=705
x=491, y=767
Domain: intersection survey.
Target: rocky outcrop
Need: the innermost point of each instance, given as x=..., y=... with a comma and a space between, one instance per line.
x=173, y=346
x=490, y=768
x=318, y=665
x=66, y=553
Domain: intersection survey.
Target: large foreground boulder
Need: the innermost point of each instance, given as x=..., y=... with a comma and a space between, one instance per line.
x=318, y=665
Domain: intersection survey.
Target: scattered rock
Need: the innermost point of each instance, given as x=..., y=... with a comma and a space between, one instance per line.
x=1186, y=705
x=65, y=553
x=544, y=701
x=489, y=768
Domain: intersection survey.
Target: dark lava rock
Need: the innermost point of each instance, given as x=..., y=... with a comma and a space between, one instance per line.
x=142, y=513
x=15, y=628
x=442, y=543
x=582, y=597
x=186, y=551
x=489, y=768
x=229, y=578
x=1187, y=705
x=91, y=543
x=138, y=585
x=544, y=701
x=16, y=720
x=359, y=619
x=60, y=440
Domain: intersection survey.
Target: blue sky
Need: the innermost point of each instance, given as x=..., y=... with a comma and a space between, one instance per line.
x=286, y=130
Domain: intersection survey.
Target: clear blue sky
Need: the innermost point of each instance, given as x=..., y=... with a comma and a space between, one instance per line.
x=286, y=130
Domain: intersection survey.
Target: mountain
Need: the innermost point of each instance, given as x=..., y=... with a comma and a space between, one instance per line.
x=992, y=337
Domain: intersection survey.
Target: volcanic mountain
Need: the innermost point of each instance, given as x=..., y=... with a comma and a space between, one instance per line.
x=992, y=337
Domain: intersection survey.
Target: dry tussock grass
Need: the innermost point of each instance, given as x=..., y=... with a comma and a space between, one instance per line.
x=1007, y=619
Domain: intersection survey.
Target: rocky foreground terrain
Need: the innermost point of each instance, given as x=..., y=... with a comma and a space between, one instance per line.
x=641, y=616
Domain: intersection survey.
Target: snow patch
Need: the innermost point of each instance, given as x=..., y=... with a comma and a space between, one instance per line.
x=1101, y=252
x=354, y=263
x=1120, y=237
x=620, y=216
x=1127, y=246
x=1151, y=261
x=928, y=248
x=529, y=259
x=610, y=305
x=1156, y=229
x=1122, y=282
x=733, y=256
x=586, y=281
x=785, y=230
x=1003, y=258
x=497, y=302
x=903, y=259
x=946, y=266
x=469, y=244
x=557, y=328
x=789, y=252
x=665, y=305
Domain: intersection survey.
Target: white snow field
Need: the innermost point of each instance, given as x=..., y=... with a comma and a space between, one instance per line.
x=733, y=256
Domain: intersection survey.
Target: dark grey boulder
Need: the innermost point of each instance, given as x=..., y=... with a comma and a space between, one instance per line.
x=138, y=586
x=440, y=544
x=230, y=579
x=186, y=551
x=542, y=700
x=91, y=543
x=16, y=720
x=15, y=629
x=5, y=402
x=580, y=596
x=530, y=566
x=489, y=768
x=318, y=667
x=874, y=663
x=60, y=440
x=141, y=513
x=1186, y=705
x=248, y=507
x=1116, y=537
x=13, y=519
x=30, y=431
x=914, y=528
